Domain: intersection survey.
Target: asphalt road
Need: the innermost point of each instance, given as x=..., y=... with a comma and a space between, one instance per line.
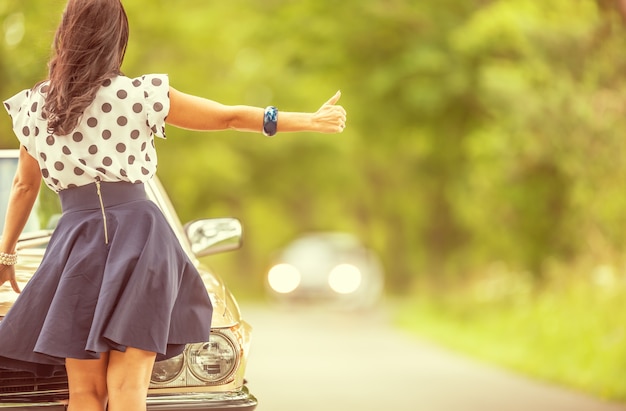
x=307, y=359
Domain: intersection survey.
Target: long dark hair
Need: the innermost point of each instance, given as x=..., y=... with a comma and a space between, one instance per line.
x=89, y=47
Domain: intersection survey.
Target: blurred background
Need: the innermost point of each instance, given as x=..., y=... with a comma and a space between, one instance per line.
x=483, y=160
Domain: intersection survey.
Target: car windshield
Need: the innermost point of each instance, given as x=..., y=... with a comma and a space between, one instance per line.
x=47, y=208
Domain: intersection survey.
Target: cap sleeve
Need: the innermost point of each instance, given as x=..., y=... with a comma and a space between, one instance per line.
x=157, y=97
x=23, y=112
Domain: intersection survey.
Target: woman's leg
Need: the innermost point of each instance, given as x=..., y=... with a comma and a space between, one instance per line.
x=128, y=378
x=87, y=381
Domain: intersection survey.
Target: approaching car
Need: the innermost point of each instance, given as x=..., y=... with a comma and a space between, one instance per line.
x=327, y=267
x=207, y=376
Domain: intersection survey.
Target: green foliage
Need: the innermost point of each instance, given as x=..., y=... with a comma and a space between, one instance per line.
x=479, y=130
x=570, y=332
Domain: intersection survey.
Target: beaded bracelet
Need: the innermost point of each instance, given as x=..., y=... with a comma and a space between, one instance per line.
x=270, y=121
x=8, y=259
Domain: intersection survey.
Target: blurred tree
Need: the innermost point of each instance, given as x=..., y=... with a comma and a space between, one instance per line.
x=544, y=150
x=478, y=131
x=25, y=40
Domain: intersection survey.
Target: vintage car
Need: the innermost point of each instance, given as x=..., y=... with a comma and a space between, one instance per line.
x=206, y=376
x=331, y=268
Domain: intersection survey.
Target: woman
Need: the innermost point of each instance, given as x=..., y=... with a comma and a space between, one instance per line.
x=107, y=298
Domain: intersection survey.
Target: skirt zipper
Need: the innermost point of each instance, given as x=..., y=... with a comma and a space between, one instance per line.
x=104, y=216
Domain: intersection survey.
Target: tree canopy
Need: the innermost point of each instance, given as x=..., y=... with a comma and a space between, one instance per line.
x=478, y=130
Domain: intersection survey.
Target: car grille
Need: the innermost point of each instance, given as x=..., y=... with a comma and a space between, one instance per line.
x=16, y=385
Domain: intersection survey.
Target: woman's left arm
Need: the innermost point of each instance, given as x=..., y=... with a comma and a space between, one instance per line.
x=24, y=192
x=197, y=113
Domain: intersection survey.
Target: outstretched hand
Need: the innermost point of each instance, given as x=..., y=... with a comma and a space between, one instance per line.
x=330, y=118
x=7, y=273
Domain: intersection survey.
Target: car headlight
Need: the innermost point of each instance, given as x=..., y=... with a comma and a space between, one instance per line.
x=212, y=361
x=168, y=370
x=284, y=278
x=209, y=363
x=344, y=278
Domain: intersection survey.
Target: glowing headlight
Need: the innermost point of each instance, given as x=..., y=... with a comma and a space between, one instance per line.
x=213, y=361
x=283, y=278
x=168, y=370
x=344, y=278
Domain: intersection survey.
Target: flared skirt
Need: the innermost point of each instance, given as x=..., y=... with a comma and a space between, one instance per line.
x=114, y=275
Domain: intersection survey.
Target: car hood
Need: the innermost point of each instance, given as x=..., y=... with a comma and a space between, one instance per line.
x=226, y=312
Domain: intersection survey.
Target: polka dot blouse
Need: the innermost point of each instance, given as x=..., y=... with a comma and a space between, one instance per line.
x=114, y=138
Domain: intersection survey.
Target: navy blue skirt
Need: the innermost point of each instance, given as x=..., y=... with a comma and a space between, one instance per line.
x=106, y=282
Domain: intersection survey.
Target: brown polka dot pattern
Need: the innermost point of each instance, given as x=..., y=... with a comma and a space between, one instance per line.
x=114, y=140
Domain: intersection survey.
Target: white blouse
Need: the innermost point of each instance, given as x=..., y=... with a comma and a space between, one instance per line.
x=113, y=140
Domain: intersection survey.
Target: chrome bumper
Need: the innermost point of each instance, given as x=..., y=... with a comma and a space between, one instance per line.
x=233, y=401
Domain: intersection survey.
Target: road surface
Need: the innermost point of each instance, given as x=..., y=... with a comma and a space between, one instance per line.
x=308, y=359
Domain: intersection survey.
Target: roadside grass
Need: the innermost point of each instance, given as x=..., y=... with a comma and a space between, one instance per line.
x=571, y=332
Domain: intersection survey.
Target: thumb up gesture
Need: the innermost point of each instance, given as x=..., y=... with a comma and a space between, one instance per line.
x=330, y=118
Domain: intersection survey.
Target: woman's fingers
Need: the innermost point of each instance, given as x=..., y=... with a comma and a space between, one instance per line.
x=15, y=286
x=7, y=273
x=334, y=99
x=331, y=116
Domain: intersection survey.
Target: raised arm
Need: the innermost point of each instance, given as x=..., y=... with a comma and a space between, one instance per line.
x=197, y=113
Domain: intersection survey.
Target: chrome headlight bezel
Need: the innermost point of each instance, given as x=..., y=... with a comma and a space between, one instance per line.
x=203, y=369
x=160, y=368
x=190, y=375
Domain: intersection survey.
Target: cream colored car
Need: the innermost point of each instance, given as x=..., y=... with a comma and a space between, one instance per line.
x=207, y=376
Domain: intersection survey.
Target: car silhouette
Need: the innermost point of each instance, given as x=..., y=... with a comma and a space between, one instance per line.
x=331, y=268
